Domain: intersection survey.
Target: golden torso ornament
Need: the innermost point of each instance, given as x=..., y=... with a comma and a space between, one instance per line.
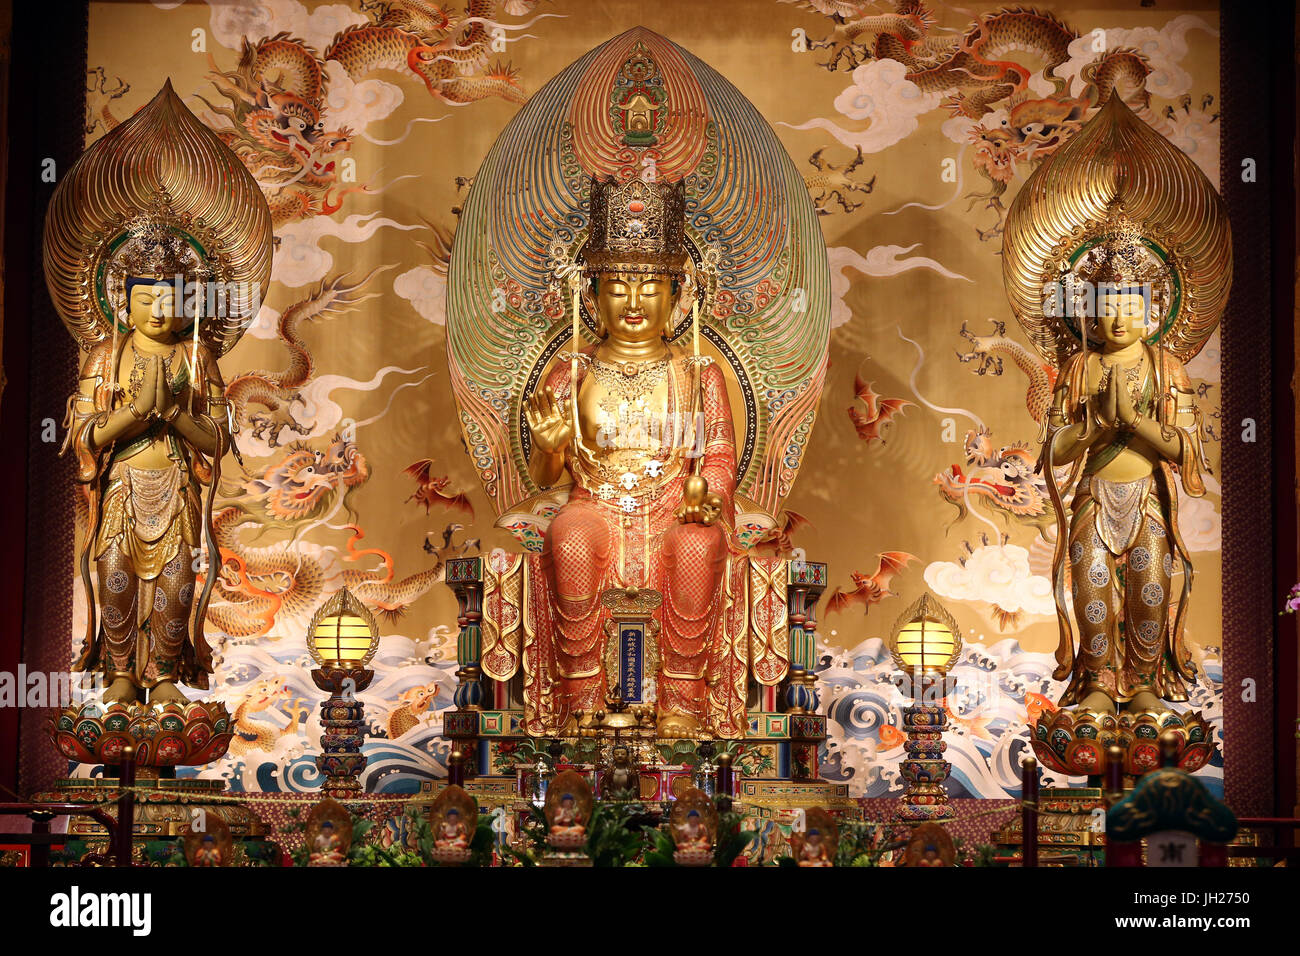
x=636, y=436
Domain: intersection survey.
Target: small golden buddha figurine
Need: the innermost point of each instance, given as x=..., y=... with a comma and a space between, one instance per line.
x=568, y=810
x=645, y=433
x=148, y=417
x=930, y=856
x=451, y=833
x=208, y=853
x=565, y=819
x=692, y=833
x=813, y=852
x=326, y=847
x=621, y=776
x=1125, y=409
x=929, y=845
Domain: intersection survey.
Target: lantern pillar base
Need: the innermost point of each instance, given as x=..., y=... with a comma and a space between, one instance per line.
x=343, y=720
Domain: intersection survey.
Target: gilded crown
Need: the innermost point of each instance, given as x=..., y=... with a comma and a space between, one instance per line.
x=636, y=226
x=1123, y=258
x=154, y=246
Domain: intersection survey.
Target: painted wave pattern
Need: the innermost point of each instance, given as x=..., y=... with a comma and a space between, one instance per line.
x=988, y=733
x=276, y=744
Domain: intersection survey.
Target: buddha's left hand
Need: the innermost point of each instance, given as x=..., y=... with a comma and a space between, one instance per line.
x=699, y=505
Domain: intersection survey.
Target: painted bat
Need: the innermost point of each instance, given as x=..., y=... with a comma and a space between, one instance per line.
x=430, y=490
x=870, y=589
x=880, y=411
x=781, y=538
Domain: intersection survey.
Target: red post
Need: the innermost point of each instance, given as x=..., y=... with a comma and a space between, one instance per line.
x=126, y=808
x=1118, y=854
x=1029, y=811
x=1114, y=774
x=1171, y=746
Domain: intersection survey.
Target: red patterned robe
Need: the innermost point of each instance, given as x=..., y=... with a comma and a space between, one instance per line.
x=593, y=543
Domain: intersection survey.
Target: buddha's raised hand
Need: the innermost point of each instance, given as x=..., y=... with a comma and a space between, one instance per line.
x=551, y=428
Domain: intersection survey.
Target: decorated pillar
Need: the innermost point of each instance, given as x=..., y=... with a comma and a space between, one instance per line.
x=461, y=726
x=806, y=582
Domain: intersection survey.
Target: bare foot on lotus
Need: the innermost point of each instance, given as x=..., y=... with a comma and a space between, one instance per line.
x=121, y=691
x=165, y=692
x=1099, y=701
x=1145, y=701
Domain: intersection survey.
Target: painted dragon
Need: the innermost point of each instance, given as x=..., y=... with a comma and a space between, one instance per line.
x=835, y=184
x=97, y=88
x=254, y=734
x=1001, y=481
x=278, y=392
x=256, y=584
x=276, y=124
x=448, y=52
x=976, y=71
x=979, y=72
x=976, y=68
x=412, y=709
x=991, y=351
x=379, y=587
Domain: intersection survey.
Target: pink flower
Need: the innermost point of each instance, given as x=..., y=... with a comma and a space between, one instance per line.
x=1292, y=601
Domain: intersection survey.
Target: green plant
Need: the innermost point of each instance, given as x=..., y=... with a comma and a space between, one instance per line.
x=372, y=854
x=661, y=849
x=261, y=853
x=484, y=842
x=165, y=852
x=863, y=843
x=983, y=855
x=732, y=840
x=535, y=829
x=610, y=841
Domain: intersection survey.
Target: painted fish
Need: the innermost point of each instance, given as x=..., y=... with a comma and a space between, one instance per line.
x=1036, y=705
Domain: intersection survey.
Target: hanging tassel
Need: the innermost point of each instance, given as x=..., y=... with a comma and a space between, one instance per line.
x=695, y=323
x=573, y=354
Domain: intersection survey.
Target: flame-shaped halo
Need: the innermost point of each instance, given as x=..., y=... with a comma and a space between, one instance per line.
x=161, y=170
x=1115, y=174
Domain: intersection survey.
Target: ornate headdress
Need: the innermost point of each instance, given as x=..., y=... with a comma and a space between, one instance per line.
x=636, y=227
x=1123, y=259
x=153, y=248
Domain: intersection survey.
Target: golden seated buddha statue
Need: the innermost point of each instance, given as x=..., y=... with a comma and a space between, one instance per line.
x=644, y=432
x=636, y=384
